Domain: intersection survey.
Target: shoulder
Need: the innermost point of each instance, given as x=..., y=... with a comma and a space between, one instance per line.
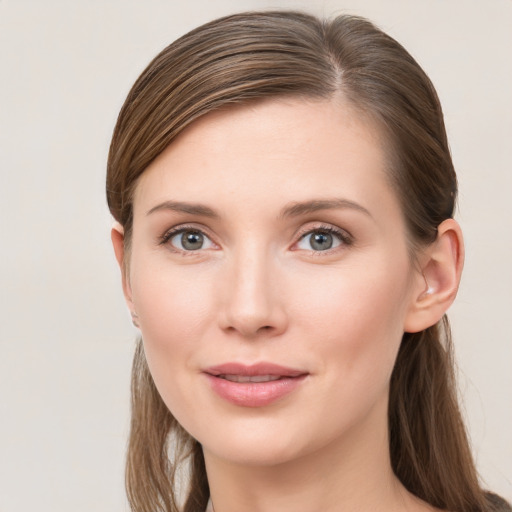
x=497, y=503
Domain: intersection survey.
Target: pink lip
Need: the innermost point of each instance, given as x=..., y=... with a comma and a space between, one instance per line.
x=253, y=394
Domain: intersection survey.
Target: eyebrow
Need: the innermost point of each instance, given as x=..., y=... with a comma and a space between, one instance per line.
x=182, y=207
x=294, y=209
x=303, y=208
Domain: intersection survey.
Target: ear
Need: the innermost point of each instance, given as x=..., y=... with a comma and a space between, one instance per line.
x=438, y=279
x=117, y=236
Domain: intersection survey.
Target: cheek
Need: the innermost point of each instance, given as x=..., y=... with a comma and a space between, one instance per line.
x=366, y=298
x=354, y=328
x=175, y=312
x=356, y=321
x=174, y=308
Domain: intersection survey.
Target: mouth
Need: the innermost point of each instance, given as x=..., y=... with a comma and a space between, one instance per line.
x=248, y=378
x=255, y=385
x=268, y=371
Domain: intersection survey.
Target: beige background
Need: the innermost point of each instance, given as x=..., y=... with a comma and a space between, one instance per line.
x=65, y=336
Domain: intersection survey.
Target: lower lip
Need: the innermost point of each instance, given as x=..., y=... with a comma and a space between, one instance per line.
x=254, y=394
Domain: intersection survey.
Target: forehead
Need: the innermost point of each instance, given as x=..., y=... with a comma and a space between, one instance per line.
x=273, y=151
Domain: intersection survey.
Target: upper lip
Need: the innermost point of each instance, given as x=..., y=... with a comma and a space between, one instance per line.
x=252, y=370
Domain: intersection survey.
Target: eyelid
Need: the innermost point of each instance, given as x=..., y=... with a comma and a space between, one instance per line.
x=345, y=237
x=180, y=228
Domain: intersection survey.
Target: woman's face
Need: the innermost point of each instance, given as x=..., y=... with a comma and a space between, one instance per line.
x=270, y=273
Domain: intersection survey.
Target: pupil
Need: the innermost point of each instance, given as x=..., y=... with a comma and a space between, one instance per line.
x=321, y=241
x=192, y=240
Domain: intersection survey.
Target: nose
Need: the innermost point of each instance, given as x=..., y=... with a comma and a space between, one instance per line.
x=253, y=299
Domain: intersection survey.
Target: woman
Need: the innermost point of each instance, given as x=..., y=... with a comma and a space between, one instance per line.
x=284, y=196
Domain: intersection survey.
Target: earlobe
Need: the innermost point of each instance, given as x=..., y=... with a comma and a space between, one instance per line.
x=438, y=282
x=117, y=236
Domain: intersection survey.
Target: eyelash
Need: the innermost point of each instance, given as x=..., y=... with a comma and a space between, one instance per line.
x=168, y=235
x=345, y=238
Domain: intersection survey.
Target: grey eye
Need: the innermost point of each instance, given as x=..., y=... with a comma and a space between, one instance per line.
x=190, y=240
x=319, y=240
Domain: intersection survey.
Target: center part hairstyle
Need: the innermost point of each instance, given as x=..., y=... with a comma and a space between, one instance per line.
x=252, y=56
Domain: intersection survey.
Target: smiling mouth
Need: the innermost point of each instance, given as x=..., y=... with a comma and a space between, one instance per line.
x=256, y=385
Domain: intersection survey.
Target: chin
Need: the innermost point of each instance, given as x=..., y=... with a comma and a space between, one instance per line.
x=255, y=454
x=265, y=442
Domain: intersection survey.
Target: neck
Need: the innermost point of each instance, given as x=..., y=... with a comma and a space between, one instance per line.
x=352, y=474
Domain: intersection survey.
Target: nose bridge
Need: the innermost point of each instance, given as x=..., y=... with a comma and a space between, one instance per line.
x=252, y=304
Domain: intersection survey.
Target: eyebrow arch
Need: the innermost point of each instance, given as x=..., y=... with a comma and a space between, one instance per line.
x=301, y=208
x=295, y=209
x=181, y=207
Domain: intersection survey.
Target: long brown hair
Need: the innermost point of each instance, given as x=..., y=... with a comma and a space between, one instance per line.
x=250, y=56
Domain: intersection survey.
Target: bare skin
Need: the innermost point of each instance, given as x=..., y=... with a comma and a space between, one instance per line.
x=269, y=233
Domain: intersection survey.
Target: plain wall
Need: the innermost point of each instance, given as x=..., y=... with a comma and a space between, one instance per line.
x=66, y=340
